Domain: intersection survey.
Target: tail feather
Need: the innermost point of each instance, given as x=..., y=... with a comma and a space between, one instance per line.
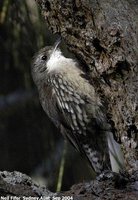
x=115, y=153
x=94, y=158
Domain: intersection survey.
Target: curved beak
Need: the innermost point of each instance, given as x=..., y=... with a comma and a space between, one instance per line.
x=57, y=43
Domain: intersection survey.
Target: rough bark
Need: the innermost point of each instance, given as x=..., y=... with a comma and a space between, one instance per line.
x=15, y=184
x=103, y=34
x=18, y=184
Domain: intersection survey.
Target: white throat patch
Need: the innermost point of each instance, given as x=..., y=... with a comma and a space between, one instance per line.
x=55, y=61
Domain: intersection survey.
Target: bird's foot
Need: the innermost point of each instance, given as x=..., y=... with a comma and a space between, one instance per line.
x=105, y=175
x=120, y=179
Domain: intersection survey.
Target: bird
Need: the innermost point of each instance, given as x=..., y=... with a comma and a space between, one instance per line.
x=72, y=104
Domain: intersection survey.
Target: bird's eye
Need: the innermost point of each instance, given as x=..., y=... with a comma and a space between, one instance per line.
x=44, y=57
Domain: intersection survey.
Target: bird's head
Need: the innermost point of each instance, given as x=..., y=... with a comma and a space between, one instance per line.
x=45, y=61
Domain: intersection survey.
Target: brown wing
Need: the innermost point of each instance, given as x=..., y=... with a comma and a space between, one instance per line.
x=78, y=124
x=71, y=105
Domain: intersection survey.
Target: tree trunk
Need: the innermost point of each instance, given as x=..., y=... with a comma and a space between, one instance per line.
x=16, y=184
x=103, y=34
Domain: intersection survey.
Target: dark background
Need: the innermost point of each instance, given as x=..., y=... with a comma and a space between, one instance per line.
x=29, y=142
